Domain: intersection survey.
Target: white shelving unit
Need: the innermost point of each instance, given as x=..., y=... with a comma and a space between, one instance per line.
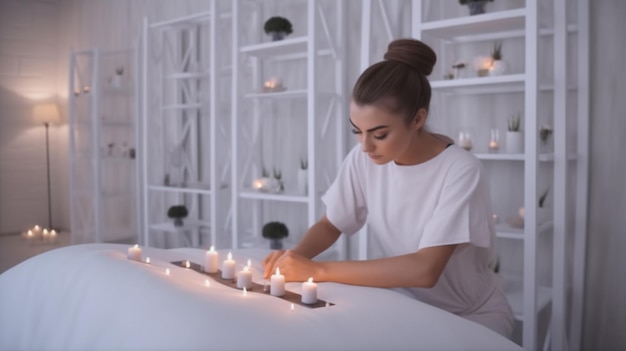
x=102, y=133
x=547, y=48
x=274, y=131
x=185, y=129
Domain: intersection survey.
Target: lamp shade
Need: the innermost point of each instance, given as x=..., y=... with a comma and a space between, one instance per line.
x=46, y=113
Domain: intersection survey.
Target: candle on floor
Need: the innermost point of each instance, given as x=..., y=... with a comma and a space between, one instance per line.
x=228, y=267
x=148, y=260
x=309, y=292
x=53, y=235
x=134, y=253
x=211, y=264
x=45, y=234
x=293, y=306
x=277, y=284
x=187, y=264
x=167, y=271
x=244, y=278
x=245, y=291
x=207, y=282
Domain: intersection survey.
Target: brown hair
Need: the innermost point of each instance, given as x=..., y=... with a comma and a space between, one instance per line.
x=398, y=83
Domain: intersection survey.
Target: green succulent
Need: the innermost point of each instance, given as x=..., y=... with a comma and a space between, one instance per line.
x=278, y=24
x=178, y=211
x=496, y=53
x=275, y=230
x=515, y=123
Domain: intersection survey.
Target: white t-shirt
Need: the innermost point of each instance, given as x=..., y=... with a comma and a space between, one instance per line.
x=442, y=201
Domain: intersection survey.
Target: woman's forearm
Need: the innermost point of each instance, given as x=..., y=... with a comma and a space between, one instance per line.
x=420, y=269
x=318, y=238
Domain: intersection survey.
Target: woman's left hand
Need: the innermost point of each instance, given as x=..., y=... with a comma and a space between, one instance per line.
x=296, y=267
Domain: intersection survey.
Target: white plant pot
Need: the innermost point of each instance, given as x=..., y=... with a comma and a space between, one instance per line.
x=303, y=185
x=116, y=81
x=514, y=143
x=498, y=68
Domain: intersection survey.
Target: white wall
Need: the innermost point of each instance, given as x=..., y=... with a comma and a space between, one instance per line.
x=32, y=66
x=28, y=75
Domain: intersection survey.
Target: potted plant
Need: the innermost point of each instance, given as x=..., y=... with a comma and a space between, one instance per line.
x=278, y=183
x=498, y=66
x=275, y=232
x=278, y=27
x=177, y=213
x=303, y=176
x=476, y=7
x=514, y=136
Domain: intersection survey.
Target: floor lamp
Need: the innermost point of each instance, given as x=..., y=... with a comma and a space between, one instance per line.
x=47, y=114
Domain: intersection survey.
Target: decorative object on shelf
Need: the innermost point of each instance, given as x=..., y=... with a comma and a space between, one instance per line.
x=110, y=149
x=543, y=213
x=494, y=140
x=514, y=136
x=498, y=66
x=303, y=175
x=482, y=64
x=278, y=27
x=476, y=7
x=465, y=140
x=86, y=89
x=280, y=187
x=116, y=79
x=177, y=213
x=544, y=133
x=496, y=218
x=47, y=114
x=458, y=69
x=275, y=232
x=273, y=85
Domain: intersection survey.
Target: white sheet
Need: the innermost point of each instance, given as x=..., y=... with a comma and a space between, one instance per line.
x=88, y=297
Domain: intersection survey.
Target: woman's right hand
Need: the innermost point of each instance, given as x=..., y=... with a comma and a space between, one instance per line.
x=269, y=261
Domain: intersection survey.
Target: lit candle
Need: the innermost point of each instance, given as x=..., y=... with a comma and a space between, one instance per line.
x=293, y=306
x=228, y=267
x=36, y=229
x=134, y=253
x=167, y=271
x=207, y=283
x=53, y=235
x=277, y=284
x=148, y=260
x=245, y=291
x=521, y=212
x=309, y=292
x=494, y=145
x=211, y=260
x=244, y=278
x=30, y=234
x=187, y=264
x=45, y=234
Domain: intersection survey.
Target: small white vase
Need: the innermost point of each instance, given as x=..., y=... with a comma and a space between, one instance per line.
x=498, y=68
x=303, y=176
x=514, y=143
x=116, y=81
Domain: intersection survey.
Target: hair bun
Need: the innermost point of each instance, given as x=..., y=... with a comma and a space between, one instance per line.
x=413, y=53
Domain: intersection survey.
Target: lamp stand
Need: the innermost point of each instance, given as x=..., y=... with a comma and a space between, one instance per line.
x=47, y=125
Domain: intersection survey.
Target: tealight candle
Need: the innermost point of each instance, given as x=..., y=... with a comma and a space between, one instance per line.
x=134, y=253
x=309, y=292
x=207, y=283
x=228, y=267
x=53, y=235
x=244, y=278
x=211, y=261
x=45, y=234
x=277, y=284
x=148, y=260
x=167, y=271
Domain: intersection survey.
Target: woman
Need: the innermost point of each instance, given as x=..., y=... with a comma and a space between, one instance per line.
x=426, y=201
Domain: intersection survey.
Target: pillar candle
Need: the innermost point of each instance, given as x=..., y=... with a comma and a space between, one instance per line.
x=309, y=292
x=277, y=284
x=134, y=253
x=228, y=267
x=244, y=278
x=211, y=261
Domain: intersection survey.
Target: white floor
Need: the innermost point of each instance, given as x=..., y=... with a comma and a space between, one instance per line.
x=15, y=249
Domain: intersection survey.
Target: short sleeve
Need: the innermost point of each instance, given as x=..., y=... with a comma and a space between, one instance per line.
x=463, y=212
x=346, y=207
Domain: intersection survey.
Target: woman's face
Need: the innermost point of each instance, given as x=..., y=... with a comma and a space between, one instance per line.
x=383, y=136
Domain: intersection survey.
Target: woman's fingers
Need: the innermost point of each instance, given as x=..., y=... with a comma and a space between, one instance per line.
x=270, y=261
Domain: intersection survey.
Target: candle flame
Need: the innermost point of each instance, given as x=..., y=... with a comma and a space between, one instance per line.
x=327, y=304
x=249, y=263
x=136, y=246
x=30, y=233
x=187, y=264
x=246, y=268
x=212, y=248
x=45, y=232
x=36, y=227
x=53, y=232
x=245, y=291
x=167, y=271
x=230, y=256
x=293, y=307
x=277, y=271
x=207, y=282
x=311, y=280
x=148, y=260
